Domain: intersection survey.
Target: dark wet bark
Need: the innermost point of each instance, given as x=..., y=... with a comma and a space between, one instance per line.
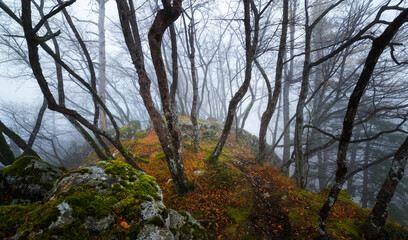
x=61, y=94
x=27, y=150
x=6, y=155
x=102, y=61
x=32, y=44
x=273, y=98
x=193, y=114
x=168, y=132
x=37, y=125
x=378, y=216
x=378, y=46
x=191, y=54
x=249, y=56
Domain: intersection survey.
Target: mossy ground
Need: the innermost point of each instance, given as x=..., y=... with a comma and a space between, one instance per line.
x=121, y=202
x=223, y=198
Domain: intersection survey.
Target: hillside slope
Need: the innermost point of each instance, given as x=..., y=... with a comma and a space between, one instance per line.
x=239, y=199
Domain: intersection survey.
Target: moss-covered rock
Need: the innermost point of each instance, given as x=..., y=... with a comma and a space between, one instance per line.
x=132, y=131
x=105, y=200
x=29, y=179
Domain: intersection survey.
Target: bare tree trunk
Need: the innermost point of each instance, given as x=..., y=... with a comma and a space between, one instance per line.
x=61, y=93
x=378, y=216
x=6, y=155
x=168, y=132
x=27, y=150
x=286, y=86
x=322, y=169
x=194, y=106
x=102, y=61
x=161, y=22
x=364, y=197
x=15, y=148
x=378, y=46
x=249, y=56
x=273, y=99
x=37, y=125
x=350, y=186
x=275, y=130
x=298, y=148
x=246, y=114
x=300, y=171
x=33, y=41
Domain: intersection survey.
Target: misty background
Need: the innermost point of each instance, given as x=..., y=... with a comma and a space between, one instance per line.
x=219, y=38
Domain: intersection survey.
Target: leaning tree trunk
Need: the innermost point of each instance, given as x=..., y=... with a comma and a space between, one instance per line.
x=167, y=132
x=378, y=216
x=273, y=99
x=6, y=155
x=249, y=56
x=163, y=19
x=102, y=61
x=378, y=46
x=194, y=107
x=27, y=150
x=33, y=41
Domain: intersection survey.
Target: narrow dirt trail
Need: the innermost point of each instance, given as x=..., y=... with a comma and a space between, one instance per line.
x=268, y=218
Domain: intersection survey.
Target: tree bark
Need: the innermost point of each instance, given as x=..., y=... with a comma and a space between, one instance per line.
x=37, y=125
x=6, y=155
x=286, y=86
x=167, y=132
x=378, y=46
x=32, y=44
x=194, y=106
x=102, y=61
x=273, y=98
x=378, y=216
x=249, y=56
x=27, y=150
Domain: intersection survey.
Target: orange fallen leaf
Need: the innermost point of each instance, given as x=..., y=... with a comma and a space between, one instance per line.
x=124, y=225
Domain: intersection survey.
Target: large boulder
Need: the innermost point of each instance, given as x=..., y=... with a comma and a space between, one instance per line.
x=28, y=179
x=104, y=200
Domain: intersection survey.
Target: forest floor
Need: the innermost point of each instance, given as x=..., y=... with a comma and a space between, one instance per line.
x=236, y=198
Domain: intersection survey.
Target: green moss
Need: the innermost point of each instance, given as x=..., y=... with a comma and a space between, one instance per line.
x=80, y=171
x=225, y=177
x=160, y=156
x=394, y=231
x=238, y=215
x=62, y=168
x=348, y=228
x=118, y=169
x=103, y=185
x=11, y=217
x=42, y=217
x=74, y=230
x=18, y=167
x=157, y=221
x=122, y=200
x=300, y=216
x=165, y=213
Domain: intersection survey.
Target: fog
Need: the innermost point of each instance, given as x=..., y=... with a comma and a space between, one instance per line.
x=321, y=65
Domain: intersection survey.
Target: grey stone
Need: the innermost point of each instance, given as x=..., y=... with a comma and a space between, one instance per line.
x=98, y=225
x=66, y=215
x=29, y=178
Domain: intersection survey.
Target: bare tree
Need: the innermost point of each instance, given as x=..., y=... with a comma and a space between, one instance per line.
x=378, y=216
x=102, y=61
x=378, y=46
x=273, y=98
x=168, y=132
x=33, y=41
x=250, y=47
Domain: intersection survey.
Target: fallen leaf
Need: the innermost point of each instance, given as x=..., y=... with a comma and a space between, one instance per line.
x=124, y=225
